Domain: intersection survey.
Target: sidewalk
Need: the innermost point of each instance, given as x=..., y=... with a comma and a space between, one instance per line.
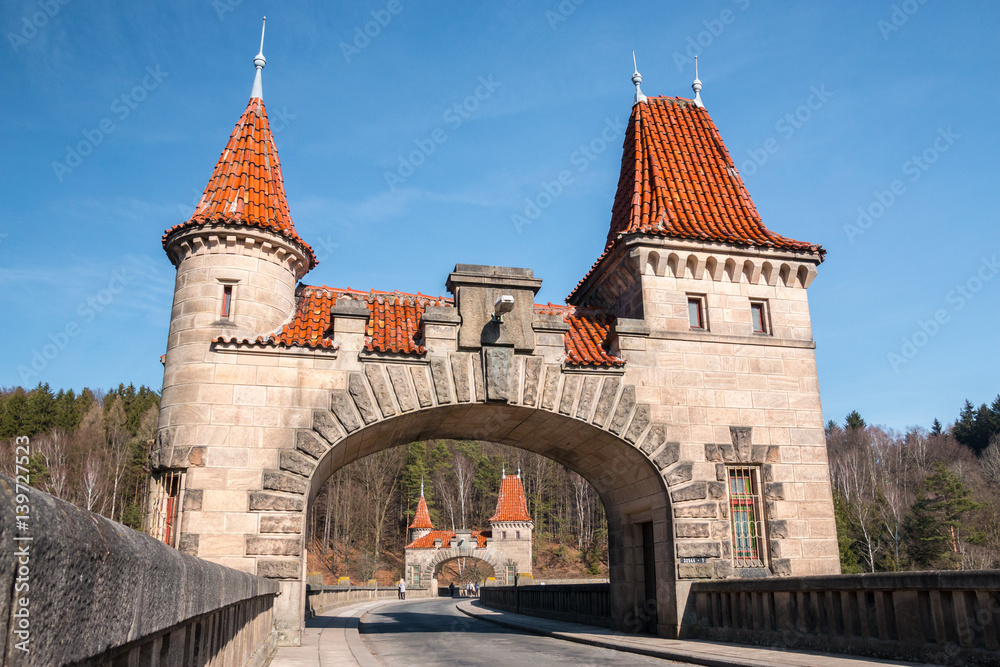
x=712, y=654
x=331, y=639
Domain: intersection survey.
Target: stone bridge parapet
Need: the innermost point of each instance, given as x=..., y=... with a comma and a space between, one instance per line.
x=100, y=593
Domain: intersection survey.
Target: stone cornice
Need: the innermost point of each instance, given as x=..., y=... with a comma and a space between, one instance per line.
x=218, y=238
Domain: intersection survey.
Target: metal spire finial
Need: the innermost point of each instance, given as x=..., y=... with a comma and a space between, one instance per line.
x=421, y=486
x=696, y=86
x=259, y=61
x=519, y=471
x=637, y=79
x=503, y=470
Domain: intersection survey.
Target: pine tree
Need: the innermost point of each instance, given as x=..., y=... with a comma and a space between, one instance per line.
x=935, y=524
x=849, y=562
x=936, y=428
x=39, y=410
x=854, y=421
x=11, y=411
x=415, y=473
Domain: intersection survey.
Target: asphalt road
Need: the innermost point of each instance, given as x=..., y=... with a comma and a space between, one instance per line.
x=434, y=632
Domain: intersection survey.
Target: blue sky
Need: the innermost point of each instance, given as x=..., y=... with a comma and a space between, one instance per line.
x=830, y=110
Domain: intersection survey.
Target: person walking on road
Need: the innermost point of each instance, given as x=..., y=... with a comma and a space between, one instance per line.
x=451, y=589
x=401, y=587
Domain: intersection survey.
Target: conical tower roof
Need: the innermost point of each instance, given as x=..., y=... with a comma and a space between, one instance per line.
x=246, y=187
x=511, y=503
x=422, y=518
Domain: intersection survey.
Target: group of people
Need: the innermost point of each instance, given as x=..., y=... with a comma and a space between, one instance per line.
x=471, y=589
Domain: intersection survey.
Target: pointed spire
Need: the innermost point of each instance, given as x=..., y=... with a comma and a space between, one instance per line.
x=696, y=86
x=422, y=518
x=637, y=79
x=259, y=61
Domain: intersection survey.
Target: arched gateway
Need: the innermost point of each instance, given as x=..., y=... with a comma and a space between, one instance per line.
x=679, y=381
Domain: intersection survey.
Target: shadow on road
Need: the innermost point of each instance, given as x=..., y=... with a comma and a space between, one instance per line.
x=425, y=619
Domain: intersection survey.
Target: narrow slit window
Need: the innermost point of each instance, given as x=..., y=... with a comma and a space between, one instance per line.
x=747, y=516
x=227, y=301
x=758, y=317
x=696, y=312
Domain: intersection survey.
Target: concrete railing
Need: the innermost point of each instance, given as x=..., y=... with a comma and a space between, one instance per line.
x=321, y=598
x=939, y=617
x=80, y=589
x=578, y=603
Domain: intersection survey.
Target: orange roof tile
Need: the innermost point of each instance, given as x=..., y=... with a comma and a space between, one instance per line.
x=394, y=325
x=422, y=518
x=246, y=187
x=588, y=336
x=511, y=504
x=427, y=541
x=678, y=180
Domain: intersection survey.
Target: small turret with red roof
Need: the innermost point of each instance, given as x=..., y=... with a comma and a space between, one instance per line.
x=511, y=520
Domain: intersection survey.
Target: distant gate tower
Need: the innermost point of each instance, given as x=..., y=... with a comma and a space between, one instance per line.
x=505, y=547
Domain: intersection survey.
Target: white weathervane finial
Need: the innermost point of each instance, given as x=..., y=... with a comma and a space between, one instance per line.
x=421, y=486
x=503, y=470
x=637, y=79
x=519, y=471
x=696, y=86
x=259, y=61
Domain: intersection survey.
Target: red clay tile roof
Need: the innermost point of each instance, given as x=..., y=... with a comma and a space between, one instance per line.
x=393, y=324
x=246, y=187
x=587, y=338
x=422, y=518
x=678, y=180
x=427, y=541
x=511, y=505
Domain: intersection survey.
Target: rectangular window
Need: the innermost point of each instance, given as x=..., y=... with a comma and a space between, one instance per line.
x=517, y=535
x=165, y=517
x=696, y=312
x=511, y=574
x=503, y=534
x=758, y=317
x=746, y=510
x=227, y=301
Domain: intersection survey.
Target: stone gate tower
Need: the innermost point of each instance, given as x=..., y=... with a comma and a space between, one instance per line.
x=679, y=379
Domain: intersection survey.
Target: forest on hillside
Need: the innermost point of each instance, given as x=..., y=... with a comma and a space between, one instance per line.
x=914, y=500
x=90, y=448
x=919, y=500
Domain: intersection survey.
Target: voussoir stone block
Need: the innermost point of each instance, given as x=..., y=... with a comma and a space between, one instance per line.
x=401, y=386
x=587, y=397
x=693, y=491
x=639, y=423
x=297, y=463
x=422, y=385
x=624, y=409
x=460, y=372
x=380, y=387
x=609, y=391
x=283, y=481
x=440, y=374
x=343, y=408
x=358, y=389
x=281, y=523
x=550, y=387
x=262, y=501
x=326, y=425
x=532, y=378
x=668, y=456
x=309, y=443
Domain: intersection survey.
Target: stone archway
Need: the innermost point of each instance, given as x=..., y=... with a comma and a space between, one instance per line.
x=589, y=422
x=444, y=556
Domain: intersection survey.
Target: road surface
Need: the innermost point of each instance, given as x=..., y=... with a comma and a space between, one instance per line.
x=434, y=632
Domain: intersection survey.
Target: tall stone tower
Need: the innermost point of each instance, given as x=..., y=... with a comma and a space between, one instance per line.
x=511, y=526
x=238, y=260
